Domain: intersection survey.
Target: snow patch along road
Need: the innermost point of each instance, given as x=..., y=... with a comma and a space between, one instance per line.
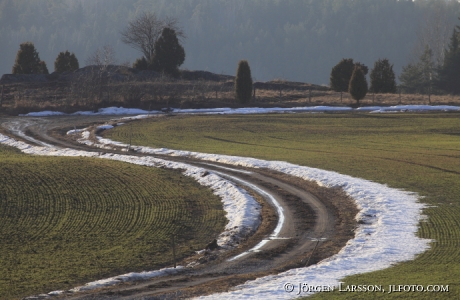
x=275, y=203
x=387, y=234
x=252, y=110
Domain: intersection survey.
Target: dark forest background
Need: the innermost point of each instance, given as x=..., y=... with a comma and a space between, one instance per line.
x=282, y=39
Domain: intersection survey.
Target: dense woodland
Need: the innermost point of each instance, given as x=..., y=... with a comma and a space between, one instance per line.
x=289, y=39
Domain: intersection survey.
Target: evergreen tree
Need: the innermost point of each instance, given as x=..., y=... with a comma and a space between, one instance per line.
x=358, y=84
x=418, y=77
x=449, y=73
x=27, y=60
x=66, y=61
x=341, y=74
x=382, y=77
x=243, y=82
x=411, y=78
x=169, y=54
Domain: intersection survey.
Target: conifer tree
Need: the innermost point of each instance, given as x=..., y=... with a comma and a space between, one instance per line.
x=358, y=84
x=66, y=61
x=418, y=77
x=243, y=82
x=449, y=73
x=169, y=54
x=27, y=60
x=383, y=77
x=341, y=74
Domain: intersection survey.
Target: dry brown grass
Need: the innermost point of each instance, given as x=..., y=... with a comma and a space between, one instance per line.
x=301, y=98
x=154, y=95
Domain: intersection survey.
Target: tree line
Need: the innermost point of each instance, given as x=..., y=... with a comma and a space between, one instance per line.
x=159, y=41
x=291, y=39
x=156, y=38
x=431, y=74
x=350, y=76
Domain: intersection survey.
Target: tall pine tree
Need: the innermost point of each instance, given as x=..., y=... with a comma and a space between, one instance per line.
x=243, y=82
x=449, y=73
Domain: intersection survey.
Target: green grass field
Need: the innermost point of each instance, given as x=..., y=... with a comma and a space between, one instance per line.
x=415, y=152
x=67, y=221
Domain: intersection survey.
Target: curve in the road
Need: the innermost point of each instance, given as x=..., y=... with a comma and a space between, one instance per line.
x=376, y=245
x=264, y=243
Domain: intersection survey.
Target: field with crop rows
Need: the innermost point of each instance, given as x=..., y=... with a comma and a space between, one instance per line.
x=415, y=152
x=67, y=221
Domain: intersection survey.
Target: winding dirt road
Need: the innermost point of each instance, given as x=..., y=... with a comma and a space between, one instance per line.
x=317, y=222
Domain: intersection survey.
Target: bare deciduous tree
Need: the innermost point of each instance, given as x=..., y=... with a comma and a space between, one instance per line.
x=142, y=33
x=102, y=57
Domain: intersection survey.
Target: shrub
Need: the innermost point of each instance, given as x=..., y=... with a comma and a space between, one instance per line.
x=66, y=61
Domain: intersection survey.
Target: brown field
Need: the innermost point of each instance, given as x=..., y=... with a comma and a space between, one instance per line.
x=196, y=90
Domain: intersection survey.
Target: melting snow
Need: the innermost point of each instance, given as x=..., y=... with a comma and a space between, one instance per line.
x=253, y=110
x=386, y=237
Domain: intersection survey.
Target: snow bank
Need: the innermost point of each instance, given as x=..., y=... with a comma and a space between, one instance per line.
x=252, y=110
x=387, y=234
x=409, y=108
x=104, y=127
x=123, y=278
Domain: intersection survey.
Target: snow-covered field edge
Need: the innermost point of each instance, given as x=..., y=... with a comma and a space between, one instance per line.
x=255, y=110
x=242, y=210
x=387, y=235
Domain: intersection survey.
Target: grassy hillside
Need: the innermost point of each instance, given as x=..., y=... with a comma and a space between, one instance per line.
x=416, y=152
x=67, y=221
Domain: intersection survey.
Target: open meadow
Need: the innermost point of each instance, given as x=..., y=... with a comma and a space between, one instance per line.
x=68, y=221
x=415, y=152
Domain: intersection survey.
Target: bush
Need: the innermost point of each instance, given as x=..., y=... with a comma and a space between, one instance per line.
x=66, y=61
x=141, y=64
